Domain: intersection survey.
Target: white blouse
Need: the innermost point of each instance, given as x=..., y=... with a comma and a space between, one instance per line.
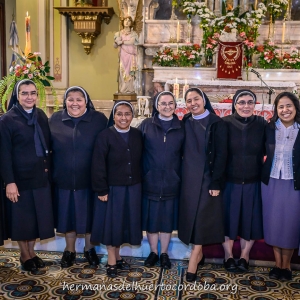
x=282, y=162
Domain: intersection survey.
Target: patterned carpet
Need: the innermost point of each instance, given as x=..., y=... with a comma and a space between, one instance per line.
x=84, y=282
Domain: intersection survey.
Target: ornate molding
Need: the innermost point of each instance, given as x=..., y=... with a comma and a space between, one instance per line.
x=87, y=22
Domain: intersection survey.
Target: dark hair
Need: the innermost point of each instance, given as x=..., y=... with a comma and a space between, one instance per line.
x=26, y=82
x=131, y=20
x=295, y=101
x=75, y=90
x=194, y=90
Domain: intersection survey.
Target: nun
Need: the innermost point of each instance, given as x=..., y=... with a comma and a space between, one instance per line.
x=24, y=159
x=116, y=178
x=281, y=184
x=203, y=170
x=163, y=137
x=242, y=194
x=73, y=134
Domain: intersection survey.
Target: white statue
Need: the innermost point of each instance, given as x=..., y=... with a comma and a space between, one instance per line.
x=143, y=106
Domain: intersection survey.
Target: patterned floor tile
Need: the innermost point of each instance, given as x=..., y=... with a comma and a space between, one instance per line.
x=82, y=281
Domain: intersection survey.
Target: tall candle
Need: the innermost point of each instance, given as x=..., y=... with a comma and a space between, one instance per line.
x=176, y=89
x=185, y=88
x=255, y=5
x=27, y=35
x=283, y=32
x=178, y=32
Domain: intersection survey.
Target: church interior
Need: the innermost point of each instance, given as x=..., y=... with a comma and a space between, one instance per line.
x=78, y=40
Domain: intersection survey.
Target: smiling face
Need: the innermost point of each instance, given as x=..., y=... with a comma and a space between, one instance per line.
x=27, y=96
x=166, y=106
x=286, y=111
x=123, y=116
x=245, y=106
x=75, y=104
x=195, y=103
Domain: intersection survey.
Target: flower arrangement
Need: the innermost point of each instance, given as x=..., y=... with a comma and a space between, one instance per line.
x=28, y=67
x=275, y=8
x=292, y=60
x=271, y=57
x=186, y=56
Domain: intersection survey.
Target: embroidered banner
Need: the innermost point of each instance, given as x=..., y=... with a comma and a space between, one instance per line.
x=230, y=60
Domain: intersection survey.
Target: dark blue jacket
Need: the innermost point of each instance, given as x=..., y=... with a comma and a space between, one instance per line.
x=19, y=162
x=72, y=148
x=162, y=158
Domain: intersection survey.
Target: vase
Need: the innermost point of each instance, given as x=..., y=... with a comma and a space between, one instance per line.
x=208, y=60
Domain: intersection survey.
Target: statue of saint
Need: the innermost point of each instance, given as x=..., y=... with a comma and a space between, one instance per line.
x=126, y=40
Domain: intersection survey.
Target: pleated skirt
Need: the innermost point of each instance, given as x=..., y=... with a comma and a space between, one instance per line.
x=118, y=220
x=281, y=213
x=243, y=211
x=160, y=216
x=74, y=210
x=32, y=216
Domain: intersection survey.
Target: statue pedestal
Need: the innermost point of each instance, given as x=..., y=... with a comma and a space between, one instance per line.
x=127, y=97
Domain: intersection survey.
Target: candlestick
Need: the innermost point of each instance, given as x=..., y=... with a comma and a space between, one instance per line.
x=27, y=35
x=283, y=32
x=176, y=89
x=178, y=31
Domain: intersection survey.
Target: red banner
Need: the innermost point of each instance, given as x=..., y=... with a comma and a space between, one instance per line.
x=230, y=60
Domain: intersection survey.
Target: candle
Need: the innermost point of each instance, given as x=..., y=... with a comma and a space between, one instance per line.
x=176, y=89
x=178, y=32
x=185, y=88
x=255, y=5
x=283, y=32
x=27, y=35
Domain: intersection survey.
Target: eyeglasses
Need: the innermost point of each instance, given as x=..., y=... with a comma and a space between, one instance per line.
x=164, y=104
x=26, y=94
x=243, y=103
x=127, y=114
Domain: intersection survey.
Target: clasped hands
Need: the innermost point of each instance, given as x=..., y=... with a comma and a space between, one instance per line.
x=214, y=193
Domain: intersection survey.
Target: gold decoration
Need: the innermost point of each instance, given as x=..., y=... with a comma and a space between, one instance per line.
x=87, y=22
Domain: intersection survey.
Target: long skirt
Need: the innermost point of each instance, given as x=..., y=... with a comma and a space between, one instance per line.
x=74, y=210
x=160, y=216
x=118, y=220
x=3, y=215
x=281, y=211
x=243, y=211
x=32, y=216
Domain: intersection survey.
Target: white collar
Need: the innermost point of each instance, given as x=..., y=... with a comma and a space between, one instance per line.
x=202, y=116
x=164, y=118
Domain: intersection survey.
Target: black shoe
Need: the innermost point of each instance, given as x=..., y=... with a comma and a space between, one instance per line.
x=68, y=259
x=275, y=273
x=230, y=264
x=111, y=271
x=122, y=264
x=286, y=275
x=165, y=261
x=151, y=260
x=243, y=265
x=29, y=265
x=38, y=262
x=191, y=277
x=201, y=262
x=92, y=257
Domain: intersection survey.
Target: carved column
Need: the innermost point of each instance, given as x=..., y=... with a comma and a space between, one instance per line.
x=217, y=9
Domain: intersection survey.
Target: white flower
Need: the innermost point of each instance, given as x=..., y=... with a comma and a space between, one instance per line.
x=230, y=14
x=248, y=15
x=206, y=15
x=244, y=21
x=28, y=66
x=206, y=10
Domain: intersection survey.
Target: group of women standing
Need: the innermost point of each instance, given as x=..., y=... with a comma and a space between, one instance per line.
x=200, y=176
